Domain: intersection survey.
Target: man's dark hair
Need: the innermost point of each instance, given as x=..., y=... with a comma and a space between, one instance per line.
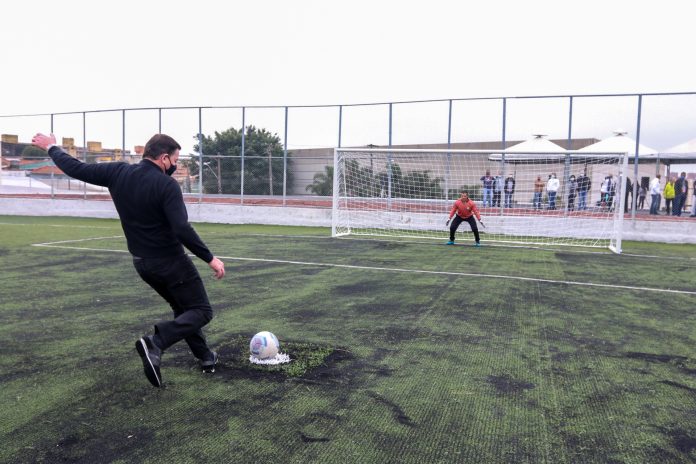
x=464, y=192
x=160, y=144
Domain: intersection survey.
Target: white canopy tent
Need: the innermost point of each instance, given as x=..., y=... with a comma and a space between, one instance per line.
x=620, y=142
x=682, y=156
x=686, y=147
x=538, y=144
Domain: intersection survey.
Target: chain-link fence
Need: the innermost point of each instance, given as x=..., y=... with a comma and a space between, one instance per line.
x=293, y=157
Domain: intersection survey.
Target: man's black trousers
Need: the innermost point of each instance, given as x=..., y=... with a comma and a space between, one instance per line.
x=456, y=221
x=177, y=280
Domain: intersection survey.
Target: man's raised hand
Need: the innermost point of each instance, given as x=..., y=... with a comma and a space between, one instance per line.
x=43, y=141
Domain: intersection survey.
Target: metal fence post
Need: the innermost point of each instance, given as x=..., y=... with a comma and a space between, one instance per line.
x=635, y=159
x=389, y=162
x=241, y=187
x=449, y=155
x=123, y=135
x=84, y=149
x=566, y=168
x=340, y=126
x=200, y=155
x=285, y=158
x=53, y=164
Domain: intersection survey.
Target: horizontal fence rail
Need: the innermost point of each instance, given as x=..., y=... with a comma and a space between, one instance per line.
x=255, y=153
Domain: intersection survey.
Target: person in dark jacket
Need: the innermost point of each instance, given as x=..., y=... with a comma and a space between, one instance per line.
x=584, y=186
x=629, y=192
x=155, y=222
x=681, y=188
x=509, y=190
x=572, y=192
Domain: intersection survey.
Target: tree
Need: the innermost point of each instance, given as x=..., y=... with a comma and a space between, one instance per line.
x=32, y=152
x=474, y=192
x=263, y=162
x=361, y=180
x=419, y=184
x=413, y=184
x=323, y=182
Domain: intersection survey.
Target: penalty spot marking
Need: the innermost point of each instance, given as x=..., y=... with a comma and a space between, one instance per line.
x=391, y=269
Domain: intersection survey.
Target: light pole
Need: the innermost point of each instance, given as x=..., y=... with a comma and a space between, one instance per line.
x=217, y=176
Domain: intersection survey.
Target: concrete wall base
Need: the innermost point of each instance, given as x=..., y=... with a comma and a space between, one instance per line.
x=667, y=231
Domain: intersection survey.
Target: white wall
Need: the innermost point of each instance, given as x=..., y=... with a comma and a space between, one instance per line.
x=669, y=231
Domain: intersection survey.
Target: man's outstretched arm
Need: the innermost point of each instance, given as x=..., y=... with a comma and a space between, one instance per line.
x=97, y=174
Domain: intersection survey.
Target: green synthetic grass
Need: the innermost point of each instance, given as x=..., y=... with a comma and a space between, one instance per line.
x=391, y=365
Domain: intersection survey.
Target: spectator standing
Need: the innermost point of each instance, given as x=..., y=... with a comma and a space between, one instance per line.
x=497, y=189
x=552, y=189
x=668, y=193
x=611, y=191
x=680, y=190
x=584, y=185
x=642, y=191
x=538, y=191
x=572, y=189
x=655, y=194
x=604, y=193
x=629, y=192
x=509, y=190
x=487, y=182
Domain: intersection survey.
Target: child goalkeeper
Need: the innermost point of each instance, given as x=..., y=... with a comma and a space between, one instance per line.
x=465, y=210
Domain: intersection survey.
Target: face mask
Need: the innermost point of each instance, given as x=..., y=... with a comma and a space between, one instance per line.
x=172, y=167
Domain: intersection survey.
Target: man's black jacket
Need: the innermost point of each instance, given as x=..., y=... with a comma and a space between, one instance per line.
x=149, y=202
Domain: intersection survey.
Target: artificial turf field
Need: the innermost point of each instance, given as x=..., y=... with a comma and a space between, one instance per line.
x=408, y=352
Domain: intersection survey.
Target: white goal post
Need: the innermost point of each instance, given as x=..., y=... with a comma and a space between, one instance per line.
x=404, y=193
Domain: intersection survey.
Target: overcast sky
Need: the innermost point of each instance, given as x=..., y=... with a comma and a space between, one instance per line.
x=85, y=55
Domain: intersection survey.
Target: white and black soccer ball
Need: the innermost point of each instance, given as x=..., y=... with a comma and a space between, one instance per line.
x=264, y=345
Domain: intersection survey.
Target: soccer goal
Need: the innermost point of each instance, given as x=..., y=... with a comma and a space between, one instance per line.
x=565, y=198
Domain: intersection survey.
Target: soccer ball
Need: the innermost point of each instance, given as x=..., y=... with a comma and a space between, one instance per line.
x=264, y=345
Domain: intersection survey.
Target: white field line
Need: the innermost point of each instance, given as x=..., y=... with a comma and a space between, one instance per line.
x=49, y=244
x=393, y=269
x=66, y=226
x=418, y=242
x=488, y=245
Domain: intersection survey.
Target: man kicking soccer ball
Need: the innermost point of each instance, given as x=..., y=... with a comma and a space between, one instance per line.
x=465, y=209
x=155, y=223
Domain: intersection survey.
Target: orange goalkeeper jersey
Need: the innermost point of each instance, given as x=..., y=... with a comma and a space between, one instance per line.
x=465, y=209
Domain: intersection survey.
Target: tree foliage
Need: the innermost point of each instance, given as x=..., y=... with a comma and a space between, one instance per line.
x=32, y=152
x=364, y=182
x=323, y=182
x=222, y=154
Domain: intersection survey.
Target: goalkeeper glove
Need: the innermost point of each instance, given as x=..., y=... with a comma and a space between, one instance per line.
x=448, y=221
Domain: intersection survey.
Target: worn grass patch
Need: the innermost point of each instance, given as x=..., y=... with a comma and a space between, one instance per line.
x=305, y=358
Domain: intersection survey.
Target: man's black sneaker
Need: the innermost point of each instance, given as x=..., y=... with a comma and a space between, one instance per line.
x=208, y=364
x=151, y=355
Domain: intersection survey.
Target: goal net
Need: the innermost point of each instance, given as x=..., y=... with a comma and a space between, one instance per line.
x=563, y=198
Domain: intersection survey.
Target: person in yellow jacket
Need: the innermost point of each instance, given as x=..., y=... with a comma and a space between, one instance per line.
x=668, y=193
